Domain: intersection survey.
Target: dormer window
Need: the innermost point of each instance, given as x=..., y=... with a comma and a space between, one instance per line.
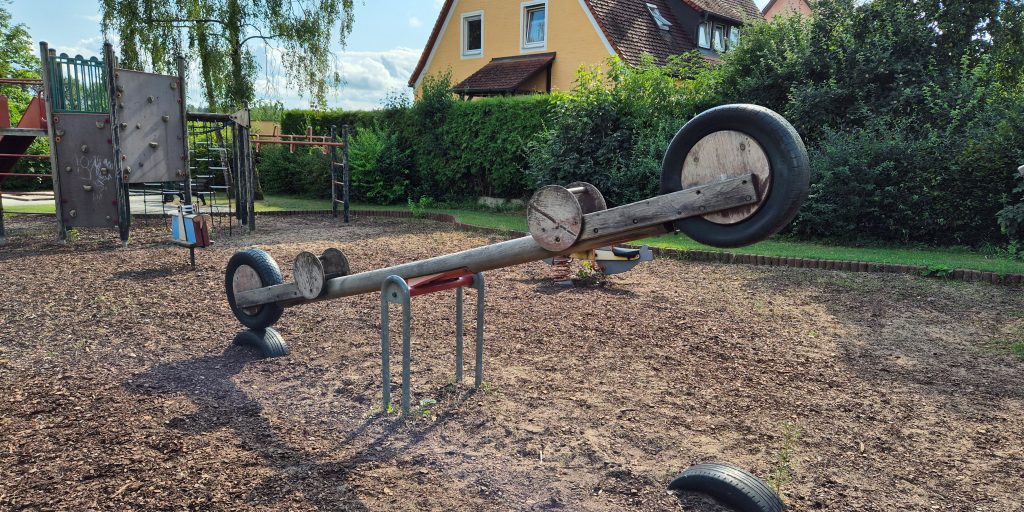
x=473, y=34
x=535, y=25
x=704, y=35
x=716, y=36
x=734, y=36
x=658, y=18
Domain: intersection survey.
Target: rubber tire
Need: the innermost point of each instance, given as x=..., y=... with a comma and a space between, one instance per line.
x=730, y=485
x=268, y=341
x=269, y=273
x=790, y=172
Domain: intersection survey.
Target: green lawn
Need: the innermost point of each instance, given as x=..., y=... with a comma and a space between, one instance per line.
x=926, y=257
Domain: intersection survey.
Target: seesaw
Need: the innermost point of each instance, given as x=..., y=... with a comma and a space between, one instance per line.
x=732, y=176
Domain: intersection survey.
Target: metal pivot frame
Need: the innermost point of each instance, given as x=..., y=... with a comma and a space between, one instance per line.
x=396, y=290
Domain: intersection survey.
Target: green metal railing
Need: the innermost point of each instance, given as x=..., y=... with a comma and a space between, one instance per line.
x=78, y=84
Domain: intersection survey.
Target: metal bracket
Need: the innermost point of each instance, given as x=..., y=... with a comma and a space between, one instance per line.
x=396, y=290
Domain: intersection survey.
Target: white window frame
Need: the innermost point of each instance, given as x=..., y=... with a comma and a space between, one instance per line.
x=463, y=40
x=525, y=47
x=725, y=37
x=730, y=42
x=706, y=26
x=659, y=19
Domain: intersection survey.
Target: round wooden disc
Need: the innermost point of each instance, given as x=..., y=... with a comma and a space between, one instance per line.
x=245, y=279
x=555, y=218
x=723, y=155
x=309, y=275
x=335, y=263
x=591, y=200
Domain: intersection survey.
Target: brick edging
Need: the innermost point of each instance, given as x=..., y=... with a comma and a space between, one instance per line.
x=707, y=256
x=843, y=265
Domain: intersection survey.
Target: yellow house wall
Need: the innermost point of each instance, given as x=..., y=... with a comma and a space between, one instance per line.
x=570, y=34
x=787, y=7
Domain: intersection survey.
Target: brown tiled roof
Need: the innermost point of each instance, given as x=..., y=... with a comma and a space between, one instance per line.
x=739, y=10
x=632, y=31
x=505, y=74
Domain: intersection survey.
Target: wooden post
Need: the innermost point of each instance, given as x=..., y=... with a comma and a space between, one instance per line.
x=334, y=172
x=251, y=177
x=44, y=55
x=345, y=174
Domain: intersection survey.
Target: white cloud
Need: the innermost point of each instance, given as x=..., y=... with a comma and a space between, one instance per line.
x=89, y=47
x=415, y=22
x=368, y=77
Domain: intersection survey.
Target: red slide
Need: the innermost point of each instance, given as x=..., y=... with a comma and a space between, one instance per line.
x=18, y=144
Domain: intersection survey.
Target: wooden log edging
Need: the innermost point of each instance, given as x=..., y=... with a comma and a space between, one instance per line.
x=966, y=275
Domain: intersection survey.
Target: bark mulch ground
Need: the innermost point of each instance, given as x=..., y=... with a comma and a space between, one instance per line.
x=121, y=390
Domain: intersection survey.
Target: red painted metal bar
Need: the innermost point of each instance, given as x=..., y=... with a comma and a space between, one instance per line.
x=25, y=175
x=22, y=155
x=438, y=286
x=20, y=81
x=298, y=143
x=5, y=113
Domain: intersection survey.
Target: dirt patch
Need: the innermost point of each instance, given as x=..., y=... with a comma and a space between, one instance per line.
x=122, y=390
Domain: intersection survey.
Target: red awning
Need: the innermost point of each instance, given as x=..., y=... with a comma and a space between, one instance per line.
x=505, y=75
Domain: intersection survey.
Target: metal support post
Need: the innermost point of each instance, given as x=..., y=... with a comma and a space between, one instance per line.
x=182, y=102
x=458, y=334
x=47, y=94
x=478, y=283
x=395, y=291
x=124, y=207
x=3, y=233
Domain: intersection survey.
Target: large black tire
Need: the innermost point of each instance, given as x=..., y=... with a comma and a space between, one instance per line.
x=729, y=485
x=269, y=274
x=789, y=167
x=268, y=341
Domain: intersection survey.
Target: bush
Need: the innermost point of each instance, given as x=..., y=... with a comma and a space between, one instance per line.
x=612, y=129
x=376, y=167
x=305, y=172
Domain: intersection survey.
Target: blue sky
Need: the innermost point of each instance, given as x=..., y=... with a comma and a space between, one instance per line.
x=381, y=53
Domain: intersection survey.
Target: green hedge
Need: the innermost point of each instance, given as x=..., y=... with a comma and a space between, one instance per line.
x=298, y=121
x=451, y=150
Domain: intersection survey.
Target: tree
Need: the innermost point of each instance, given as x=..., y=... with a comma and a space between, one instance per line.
x=19, y=61
x=217, y=35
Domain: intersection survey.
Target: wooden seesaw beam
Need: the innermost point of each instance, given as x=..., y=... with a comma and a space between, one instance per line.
x=641, y=219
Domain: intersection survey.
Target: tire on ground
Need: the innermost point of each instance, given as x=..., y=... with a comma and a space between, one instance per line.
x=268, y=341
x=269, y=274
x=730, y=485
x=789, y=168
